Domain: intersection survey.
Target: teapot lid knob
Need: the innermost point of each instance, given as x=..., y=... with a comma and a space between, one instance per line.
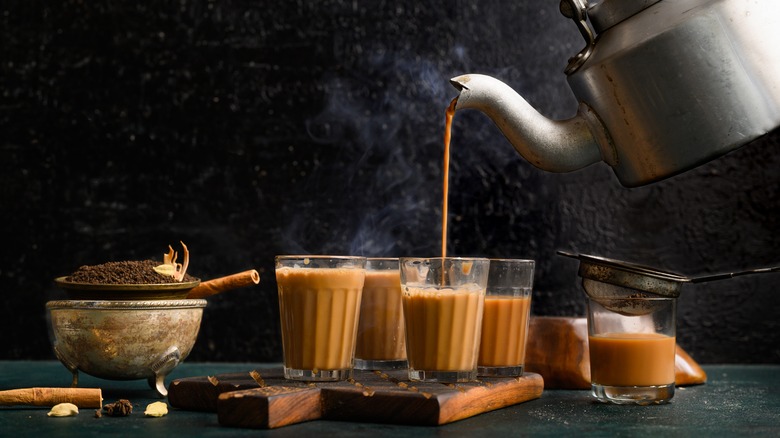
x=576, y=10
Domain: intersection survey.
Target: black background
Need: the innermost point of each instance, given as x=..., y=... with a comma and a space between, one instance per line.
x=250, y=129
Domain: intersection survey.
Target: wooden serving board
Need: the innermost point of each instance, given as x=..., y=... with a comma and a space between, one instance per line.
x=265, y=399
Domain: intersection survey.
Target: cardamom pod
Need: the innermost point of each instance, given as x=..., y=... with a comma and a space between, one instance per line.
x=156, y=409
x=64, y=410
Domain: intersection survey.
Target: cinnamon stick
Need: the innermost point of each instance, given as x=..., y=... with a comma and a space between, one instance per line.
x=222, y=284
x=81, y=397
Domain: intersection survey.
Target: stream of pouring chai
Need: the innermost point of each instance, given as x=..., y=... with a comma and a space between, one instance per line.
x=445, y=195
x=443, y=323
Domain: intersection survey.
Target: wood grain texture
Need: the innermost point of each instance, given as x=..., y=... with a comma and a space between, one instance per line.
x=369, y=397
x=686, y=370
x=558, y=350
x=201, y=393
x=269, y=407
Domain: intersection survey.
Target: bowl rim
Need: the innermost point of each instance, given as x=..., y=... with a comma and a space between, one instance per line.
x=75, y=285
x=187, y=303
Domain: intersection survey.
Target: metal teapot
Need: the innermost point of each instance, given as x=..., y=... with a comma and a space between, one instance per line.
x=663, y=86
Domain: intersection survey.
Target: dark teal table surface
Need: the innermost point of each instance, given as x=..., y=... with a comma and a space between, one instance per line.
x=737, y=400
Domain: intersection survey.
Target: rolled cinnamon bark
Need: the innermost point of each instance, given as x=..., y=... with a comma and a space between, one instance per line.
x=222, y=284
x=81, y=397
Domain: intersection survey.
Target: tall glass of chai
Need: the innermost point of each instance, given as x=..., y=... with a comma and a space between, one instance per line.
x=632, y=349
x=506, y=316
x=381, y=342
x=319, y=305
x=443, y=300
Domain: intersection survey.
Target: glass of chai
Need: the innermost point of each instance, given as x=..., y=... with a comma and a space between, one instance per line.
x=632, y=350
x=381, y=343
x=443, y=300
x=319, y=305
x=505, y=318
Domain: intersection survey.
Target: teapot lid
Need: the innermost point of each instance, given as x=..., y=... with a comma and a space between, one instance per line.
x=607, y=13
x=602, y=15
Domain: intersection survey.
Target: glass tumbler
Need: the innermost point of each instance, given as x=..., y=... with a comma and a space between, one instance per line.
x=319, y=304
x=443, y=300
x=632, y=353
x=381, y=342
x=506, y=316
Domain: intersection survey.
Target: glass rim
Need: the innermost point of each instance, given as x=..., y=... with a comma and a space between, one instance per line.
x=512, y=260
x=317, y=256
x=458, y=258
x=601, y=299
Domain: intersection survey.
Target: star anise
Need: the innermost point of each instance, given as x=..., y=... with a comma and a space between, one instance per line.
x=121, y=408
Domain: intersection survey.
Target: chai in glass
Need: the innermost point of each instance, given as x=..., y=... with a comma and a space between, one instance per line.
x=319, y=304
x=632, y=355
x=443, y=301
x=506, y=317
x=381, y=341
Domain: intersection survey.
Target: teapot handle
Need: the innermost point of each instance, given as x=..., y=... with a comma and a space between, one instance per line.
x=577, y=11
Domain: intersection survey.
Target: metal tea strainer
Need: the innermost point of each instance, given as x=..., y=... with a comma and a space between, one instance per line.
x=629, y=288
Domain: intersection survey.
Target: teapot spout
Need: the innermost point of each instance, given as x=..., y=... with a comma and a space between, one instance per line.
x=550, y=145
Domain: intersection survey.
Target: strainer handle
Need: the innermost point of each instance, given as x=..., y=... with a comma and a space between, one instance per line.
x=734, y=274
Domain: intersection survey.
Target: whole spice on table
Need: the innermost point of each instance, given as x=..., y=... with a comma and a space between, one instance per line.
x=42, y=396
x=120, y=408
x=156, y=409
x=63, y=410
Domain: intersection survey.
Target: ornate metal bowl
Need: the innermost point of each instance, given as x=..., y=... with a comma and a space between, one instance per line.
x=125, y=339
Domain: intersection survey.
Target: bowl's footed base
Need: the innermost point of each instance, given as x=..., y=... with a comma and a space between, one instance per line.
x=160, y=369
x=157, y=383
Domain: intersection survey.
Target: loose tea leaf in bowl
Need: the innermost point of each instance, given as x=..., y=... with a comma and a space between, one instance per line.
x=124, y=272
x=131, y=280
x=136, y=272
